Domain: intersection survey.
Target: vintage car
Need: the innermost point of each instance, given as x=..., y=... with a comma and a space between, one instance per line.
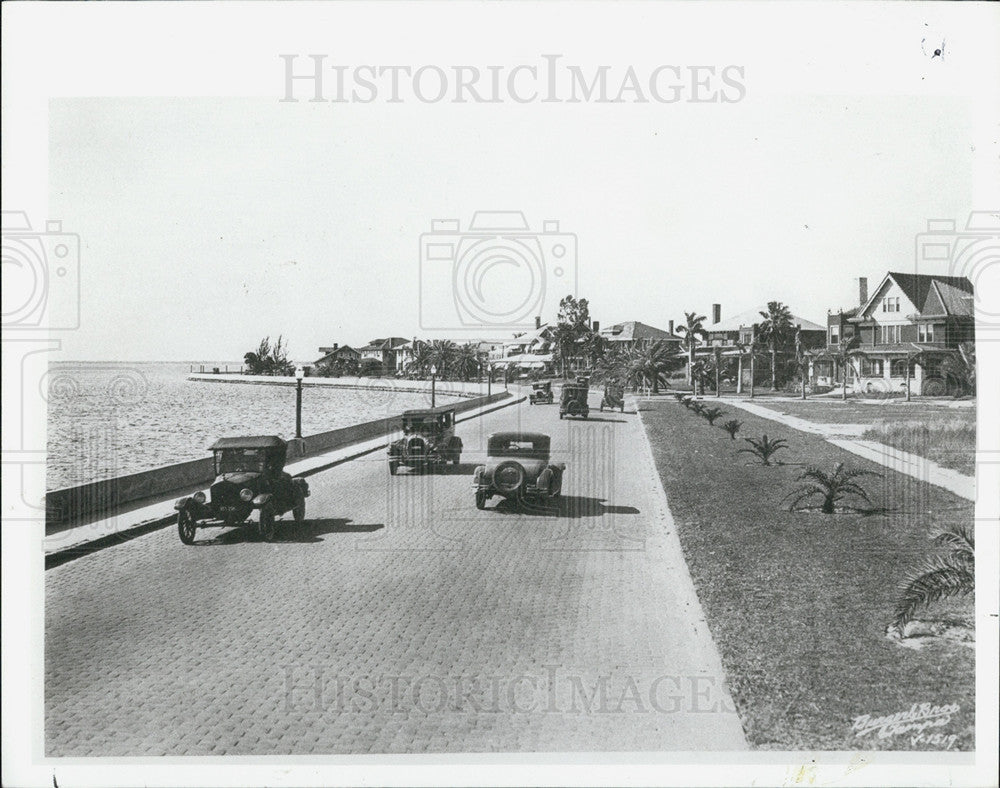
x=541, y=393
x=428, y=439
x=614, y=396
x=249, y=476
x=573, y=399
x=518, y=467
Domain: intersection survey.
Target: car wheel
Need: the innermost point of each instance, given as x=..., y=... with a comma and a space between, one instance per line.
x=392, y=467
x=265, y=525
x=622, y=407
x=480, y=499
x=560, y=414
x=186, y=527
x=299, y=510
x=456, y=458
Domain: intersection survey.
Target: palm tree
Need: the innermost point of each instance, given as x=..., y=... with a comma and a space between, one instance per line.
x=649, y=364
x=692, y=328
x=611, y=364
x=593, y=346
x=775, y=329
x=830, y=487
x=748, y=350
x=439, y=353
x=948, y=575
x=847, y=350
x=465, y=362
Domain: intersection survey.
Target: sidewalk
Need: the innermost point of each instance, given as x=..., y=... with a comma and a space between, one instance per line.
x=846, y=437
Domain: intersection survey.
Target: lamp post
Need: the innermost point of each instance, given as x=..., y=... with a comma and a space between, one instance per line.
x=434, y=371
x=299, y=374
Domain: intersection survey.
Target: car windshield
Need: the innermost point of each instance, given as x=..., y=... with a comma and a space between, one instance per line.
x=427, y=424
x=240, y=461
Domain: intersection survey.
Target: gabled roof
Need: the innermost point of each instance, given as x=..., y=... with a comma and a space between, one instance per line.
x=634, y=330
x=753, y=316
x=535, y=335
x=929, y=293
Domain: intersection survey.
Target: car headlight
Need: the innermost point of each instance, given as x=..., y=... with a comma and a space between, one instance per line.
x=199, y=497
x=246, y=494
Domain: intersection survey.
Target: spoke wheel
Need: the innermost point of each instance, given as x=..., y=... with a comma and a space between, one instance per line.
x=393, y=466
x=186, y=527
x=480, y=499
x=299, y=510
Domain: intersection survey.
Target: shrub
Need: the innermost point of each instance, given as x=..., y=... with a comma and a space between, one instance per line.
x=711, y=414
x=732, y=427
x=698, y=407
x=831, y=488
x=765, y=448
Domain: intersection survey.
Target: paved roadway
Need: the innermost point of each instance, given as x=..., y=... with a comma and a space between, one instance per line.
x=399, y=618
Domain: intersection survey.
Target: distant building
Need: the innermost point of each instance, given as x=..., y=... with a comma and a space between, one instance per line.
x=337, y=352
x=387, y=352
x=742, y=327
x=633, y=334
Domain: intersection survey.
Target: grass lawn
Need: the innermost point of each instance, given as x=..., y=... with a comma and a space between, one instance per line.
x=837, y=412
x=940, y=433
x=798, y=603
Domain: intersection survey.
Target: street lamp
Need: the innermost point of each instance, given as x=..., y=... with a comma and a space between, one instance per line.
x=299, y=374
x=434, y=371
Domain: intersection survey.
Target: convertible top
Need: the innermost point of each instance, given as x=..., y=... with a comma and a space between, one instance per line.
x=429, y=411
x=249, y=442
x=519, y=437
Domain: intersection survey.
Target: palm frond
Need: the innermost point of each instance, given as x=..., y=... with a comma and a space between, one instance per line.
x=940, y=577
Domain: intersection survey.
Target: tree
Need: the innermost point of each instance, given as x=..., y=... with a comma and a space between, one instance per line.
x=692, y=328
x=438, y=353
x=829, y=488
x=775, y=329
x=846, y=351
x=572, y=326
x=465, y=362
x=612, y=364
x=269, y=359
x=650, y=364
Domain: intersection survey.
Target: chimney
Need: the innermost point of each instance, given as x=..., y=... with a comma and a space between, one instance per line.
x=716, y=313
x=596, y=326
x=538, y=322
x=863, y=290
x=670, y=327
x=335, y=346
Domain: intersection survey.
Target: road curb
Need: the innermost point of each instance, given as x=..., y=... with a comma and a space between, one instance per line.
x=79, y=550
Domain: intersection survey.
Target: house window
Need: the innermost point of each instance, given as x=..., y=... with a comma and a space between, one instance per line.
x=889, y=335
x=897, y=369
x=925, y=333
x=834, y=335
x=873, y=368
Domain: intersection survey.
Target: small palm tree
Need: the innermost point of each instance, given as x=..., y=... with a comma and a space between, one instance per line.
x=711, y=414
x=732, y=427
x=698, y=407
x=831, y=488
x=765, y=448
x=948, y=575
x=688, y=402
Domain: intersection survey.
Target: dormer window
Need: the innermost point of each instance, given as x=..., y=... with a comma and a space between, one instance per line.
x=890, y=304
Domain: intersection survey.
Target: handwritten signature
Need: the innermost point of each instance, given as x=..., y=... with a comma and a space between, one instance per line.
x=916, y=720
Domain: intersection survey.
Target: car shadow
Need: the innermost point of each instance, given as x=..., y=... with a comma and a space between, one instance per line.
x=600, y=419
x=568, y=506
x=289, y=531
x=462, y=469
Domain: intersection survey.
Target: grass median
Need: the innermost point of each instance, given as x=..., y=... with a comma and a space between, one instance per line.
x=798, y=602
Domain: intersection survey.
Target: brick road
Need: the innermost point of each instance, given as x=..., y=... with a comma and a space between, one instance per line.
x=399, y=619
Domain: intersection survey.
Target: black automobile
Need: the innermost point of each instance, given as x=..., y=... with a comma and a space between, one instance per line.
x=518, y=467
x=541, y=393
x=249, y=476
x=573, y=399
x=429, y=439
x=614, y=396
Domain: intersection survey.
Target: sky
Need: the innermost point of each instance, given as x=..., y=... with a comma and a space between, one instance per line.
x=208, y=223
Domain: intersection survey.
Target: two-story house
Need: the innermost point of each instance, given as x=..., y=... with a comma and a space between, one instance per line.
x=384, y=350
x=634, y=334
x=912, y=321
